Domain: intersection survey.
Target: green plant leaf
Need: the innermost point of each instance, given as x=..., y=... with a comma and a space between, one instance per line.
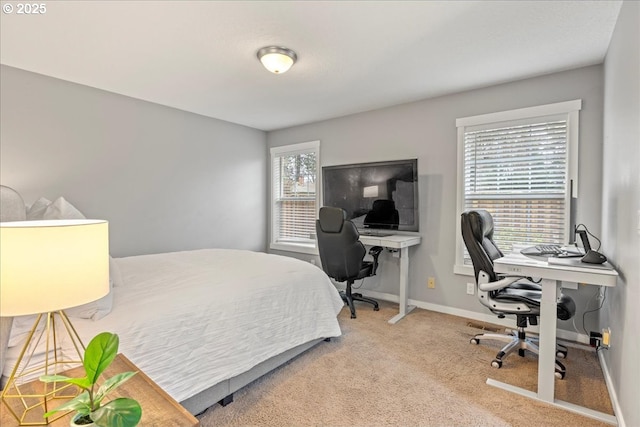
x=110, y=384
x=80, y=382
x=122, y=412
x=99, y=354
x=80, y=404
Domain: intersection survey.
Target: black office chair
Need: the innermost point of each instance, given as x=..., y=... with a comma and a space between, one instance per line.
x=383, y=214
x=342, y=254
x=507, y=294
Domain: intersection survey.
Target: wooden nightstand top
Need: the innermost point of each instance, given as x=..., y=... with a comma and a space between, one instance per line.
x=158, y=408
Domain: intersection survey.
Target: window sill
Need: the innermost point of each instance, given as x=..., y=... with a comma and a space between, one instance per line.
x=303, y=248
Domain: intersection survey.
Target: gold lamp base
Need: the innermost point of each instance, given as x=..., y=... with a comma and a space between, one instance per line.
x=28, y=398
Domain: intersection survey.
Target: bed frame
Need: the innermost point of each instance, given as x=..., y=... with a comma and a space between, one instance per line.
x=13, y=209
x=222, y=392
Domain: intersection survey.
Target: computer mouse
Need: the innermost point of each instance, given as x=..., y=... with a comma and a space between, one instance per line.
x=593, y=257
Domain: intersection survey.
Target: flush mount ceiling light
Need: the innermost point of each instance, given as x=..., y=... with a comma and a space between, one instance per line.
x=277, y=59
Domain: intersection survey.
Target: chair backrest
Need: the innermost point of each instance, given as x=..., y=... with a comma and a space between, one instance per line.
x=383, y=214
x=477, y=233
x=341, y=251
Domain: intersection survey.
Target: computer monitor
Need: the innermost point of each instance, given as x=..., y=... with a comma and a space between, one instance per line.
x=375, y=195
x=573, y=208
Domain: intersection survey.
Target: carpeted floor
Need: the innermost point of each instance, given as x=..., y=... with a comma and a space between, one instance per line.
x=421, y=371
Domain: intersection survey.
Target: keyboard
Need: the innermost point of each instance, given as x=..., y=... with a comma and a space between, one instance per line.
x=542, y=250
x=549, y=249
x=552, y=250
x=375, y=233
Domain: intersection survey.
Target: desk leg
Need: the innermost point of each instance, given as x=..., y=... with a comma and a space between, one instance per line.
x=547, y=357
x=404, y=308
x=548, y=325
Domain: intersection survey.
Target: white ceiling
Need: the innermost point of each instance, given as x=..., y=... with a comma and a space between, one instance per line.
x=353, y=56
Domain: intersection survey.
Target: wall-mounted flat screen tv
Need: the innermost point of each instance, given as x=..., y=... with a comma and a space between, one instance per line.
x=376, y=196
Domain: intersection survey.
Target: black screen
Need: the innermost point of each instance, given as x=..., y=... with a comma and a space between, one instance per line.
x=380, y=195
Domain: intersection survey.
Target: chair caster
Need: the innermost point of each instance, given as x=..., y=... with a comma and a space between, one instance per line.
x=561, y=354
x=475, y=341
x=376, y=308
x=495, y=363
x=560, y=371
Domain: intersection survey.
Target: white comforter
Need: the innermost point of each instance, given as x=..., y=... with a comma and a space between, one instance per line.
x=192, y=319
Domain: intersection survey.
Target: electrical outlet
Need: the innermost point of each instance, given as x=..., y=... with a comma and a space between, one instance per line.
x=606, y=337
x=431, y=282
x=471, y=288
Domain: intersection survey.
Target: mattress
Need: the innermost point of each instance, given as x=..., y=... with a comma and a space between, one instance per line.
x=192, y=319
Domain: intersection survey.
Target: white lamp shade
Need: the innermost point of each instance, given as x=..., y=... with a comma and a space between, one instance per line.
x=277, y=59
x=277, y=63
x=48, y=266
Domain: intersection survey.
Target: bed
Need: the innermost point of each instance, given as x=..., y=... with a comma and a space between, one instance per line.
x=202, y=323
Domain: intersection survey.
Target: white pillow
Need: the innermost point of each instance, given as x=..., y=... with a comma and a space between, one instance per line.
x=61, y=209
x=37, y=209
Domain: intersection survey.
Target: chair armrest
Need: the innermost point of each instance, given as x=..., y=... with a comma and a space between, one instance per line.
x=486, y=286
x=375, y=253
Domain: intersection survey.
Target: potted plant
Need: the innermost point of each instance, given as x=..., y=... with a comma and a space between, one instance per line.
x=98, y=355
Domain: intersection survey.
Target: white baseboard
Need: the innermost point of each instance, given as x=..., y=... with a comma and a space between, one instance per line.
x=481, y=317
x=612, y=391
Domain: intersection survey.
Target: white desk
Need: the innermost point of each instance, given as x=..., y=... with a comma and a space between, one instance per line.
x=402, y=243
x=552, y=275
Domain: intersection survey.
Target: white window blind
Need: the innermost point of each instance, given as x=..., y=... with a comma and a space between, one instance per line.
x=519, y=174
x=519, y=165
x=294, y=193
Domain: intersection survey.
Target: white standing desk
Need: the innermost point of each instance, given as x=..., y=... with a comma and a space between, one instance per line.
x=402, y=243
x=552, y=275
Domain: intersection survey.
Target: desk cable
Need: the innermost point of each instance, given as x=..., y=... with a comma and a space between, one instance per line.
x=590, y=234
x=604, y=297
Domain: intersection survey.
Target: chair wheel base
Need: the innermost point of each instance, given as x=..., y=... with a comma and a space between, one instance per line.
x=561, y=371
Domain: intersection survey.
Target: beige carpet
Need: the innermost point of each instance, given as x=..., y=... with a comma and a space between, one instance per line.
x=420, y=372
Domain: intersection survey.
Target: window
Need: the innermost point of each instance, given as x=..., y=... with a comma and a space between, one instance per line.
x=294, y=196
x=521, y=166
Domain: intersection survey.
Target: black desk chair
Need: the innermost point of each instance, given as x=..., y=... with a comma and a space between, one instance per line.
x=383, y=214
x=342, y=253
x=507, y=294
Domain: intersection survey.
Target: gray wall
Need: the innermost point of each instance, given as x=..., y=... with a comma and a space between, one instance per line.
x=427, y=130
x=621, y=207
x=165, y=179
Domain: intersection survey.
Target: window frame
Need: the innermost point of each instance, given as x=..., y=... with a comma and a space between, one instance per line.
x=568, y=109
x=309, y=247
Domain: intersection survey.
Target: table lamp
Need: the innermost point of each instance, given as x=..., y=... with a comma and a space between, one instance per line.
x=45, y=268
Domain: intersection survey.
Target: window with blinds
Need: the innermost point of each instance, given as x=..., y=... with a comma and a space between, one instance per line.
x=520, y=170
x=294, y=193
x=519, y=174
